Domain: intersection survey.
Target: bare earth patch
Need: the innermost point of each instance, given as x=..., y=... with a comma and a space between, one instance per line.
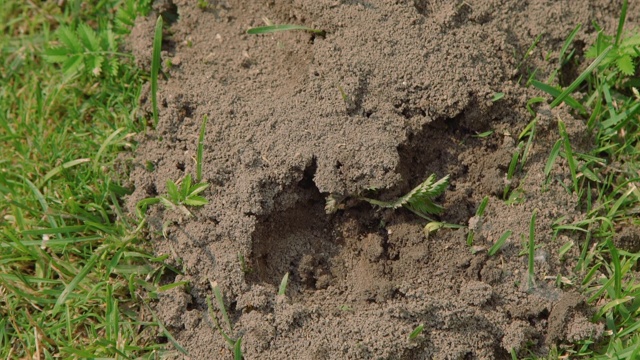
x=420, y=76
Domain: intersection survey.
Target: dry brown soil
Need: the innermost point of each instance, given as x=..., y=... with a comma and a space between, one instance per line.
x=420, y=76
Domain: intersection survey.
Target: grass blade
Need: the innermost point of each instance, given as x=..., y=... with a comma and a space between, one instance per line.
x=155, y=68
x=56, y=170
x=532, y=250
x=282, y=27
x=623, y=16
x=76, y=280
x=580, y=78
x=283, y=284
x=203, y=128
x=552, y=158
x=498, y=245
x=569, y=155
x=416, y=332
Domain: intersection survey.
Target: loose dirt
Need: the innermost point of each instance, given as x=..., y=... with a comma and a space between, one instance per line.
x=419, y=78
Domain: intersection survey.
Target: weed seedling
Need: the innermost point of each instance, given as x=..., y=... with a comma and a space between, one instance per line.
x=282, y=289
x=420, y=199
x=416, y=332
x=203, y=4
x=187, y=194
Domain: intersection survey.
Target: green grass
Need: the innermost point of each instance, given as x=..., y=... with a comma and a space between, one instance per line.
x=73, y=267
x=605, y=180
x=235, y=345
x=531, y=274
x=269, y=29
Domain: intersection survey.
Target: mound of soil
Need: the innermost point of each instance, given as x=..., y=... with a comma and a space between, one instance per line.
x=419, y=77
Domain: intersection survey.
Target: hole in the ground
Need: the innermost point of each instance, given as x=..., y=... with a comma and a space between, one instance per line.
x=169, y=12
x=298, y=240
x=571, y=68
x=151, y=190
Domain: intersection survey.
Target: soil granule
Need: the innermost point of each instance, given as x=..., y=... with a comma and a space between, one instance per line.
x=418, y=78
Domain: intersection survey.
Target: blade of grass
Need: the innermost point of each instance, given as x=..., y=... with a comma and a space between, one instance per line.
x=283, y=284
x=569, y=154
x=623, y=16
x=416, y=332
x=555, y=150
x=76, y=280
x=155, y=68
x=203, y=128
x=56, y=170
x=498, y=245
x=282, y=27
x=532, y=250
x=571, y=88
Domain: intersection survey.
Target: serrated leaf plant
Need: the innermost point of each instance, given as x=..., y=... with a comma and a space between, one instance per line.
x=420, y=199
x=84, y=51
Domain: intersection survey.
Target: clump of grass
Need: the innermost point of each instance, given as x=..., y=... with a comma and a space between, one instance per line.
x=605, y=181
x=74, y=268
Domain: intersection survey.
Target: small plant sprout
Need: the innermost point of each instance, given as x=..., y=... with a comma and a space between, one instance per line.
x=569, y=155
x=498, y=245
x=532, y=250
x=203, y=4
x=497, y=96
x=179, y=195
x=420, y=199
x=416, y=332
x=200, y=150
x=234, y=344
x=282, y=289
x=155, y=68
x=476, y=221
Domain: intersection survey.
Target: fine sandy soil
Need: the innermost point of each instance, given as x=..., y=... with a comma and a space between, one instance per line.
x=419, y=76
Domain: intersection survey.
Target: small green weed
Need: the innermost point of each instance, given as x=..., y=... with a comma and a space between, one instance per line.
x=420, y=199
x=203, y=4
x=83, y=51
x=179, y=195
